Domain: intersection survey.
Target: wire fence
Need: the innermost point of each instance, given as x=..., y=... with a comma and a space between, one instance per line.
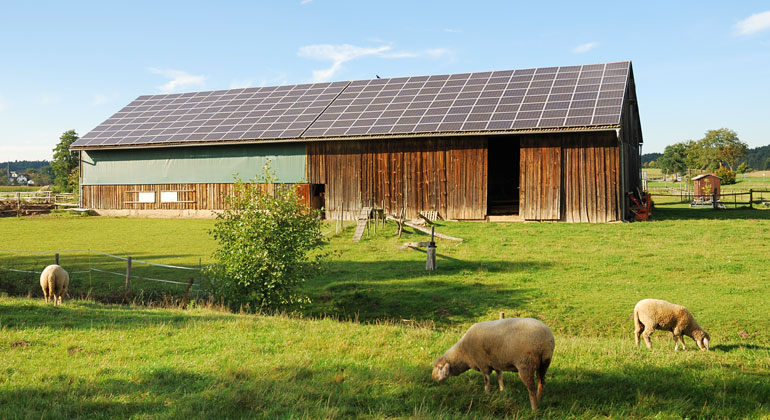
x=101, y=275
x=748, y=198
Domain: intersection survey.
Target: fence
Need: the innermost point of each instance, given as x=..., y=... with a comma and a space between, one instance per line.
x=100, y=275
x=721, y=200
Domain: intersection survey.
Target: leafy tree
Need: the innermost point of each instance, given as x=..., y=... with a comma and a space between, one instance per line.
x=673, y=159
x=743, y=168
x=64, y=160
x=767, y=164
x=727, y=175
x=263, y=242
x=42, y=176
x=723, y=148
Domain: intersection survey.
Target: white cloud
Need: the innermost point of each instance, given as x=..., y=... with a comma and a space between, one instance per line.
x=585, y=47
x=340, y=54
x=179, y=79
x=241, y=83
x=47, y=99
x=755, y=23
x=337, y=54
x=99, y=99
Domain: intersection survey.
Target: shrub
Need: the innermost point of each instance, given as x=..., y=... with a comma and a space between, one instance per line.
x=264, y=238
x=728, y=176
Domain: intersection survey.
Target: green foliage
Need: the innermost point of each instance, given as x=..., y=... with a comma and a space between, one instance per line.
x=263, y=242
x=743, y=168
x=723, y=147
x=757, y=157
x=64, y=160
x=728, y=176
x=673, y=158
x=766, y=166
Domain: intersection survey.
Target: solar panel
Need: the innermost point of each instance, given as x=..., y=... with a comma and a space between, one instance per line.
x=526, y=99
x=276, y=112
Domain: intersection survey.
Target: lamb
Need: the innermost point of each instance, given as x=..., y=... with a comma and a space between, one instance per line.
x=523, y=345
x=54, y=281
x=650, y=314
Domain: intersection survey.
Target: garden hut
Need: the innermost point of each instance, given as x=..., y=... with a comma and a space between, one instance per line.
x=549, y=143
x=705, y=186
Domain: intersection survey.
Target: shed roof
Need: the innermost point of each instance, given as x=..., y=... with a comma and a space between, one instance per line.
x=588, y=97
x=695, y=178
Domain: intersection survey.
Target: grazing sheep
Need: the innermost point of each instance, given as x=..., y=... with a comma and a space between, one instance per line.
x=650, y=314
x=523, y=345
x=54, y=281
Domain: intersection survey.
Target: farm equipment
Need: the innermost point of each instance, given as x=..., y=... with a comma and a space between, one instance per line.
x=641, y=204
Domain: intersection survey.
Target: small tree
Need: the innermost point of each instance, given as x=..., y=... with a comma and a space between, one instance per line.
x=728, y=176
x=64, y=160
x=743, y=168
x=264, y=238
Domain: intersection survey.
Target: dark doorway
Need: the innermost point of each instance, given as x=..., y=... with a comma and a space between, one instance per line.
x=318, y=198
x=503, y=175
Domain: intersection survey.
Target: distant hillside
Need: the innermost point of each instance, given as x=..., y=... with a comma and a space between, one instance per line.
x=647, y=157
x=22, y=165
x=758, y=158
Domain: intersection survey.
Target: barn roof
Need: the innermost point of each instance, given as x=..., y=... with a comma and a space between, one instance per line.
x=587, y=97
x=695, y=178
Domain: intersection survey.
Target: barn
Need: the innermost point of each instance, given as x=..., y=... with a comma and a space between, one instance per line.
x=545, y=144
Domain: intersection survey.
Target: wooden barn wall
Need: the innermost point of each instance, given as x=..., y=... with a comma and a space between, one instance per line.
x=189, y=196
x=448, y=175
x=570, y=177
x=591, y=177
x=631, y=140
x=541, y=178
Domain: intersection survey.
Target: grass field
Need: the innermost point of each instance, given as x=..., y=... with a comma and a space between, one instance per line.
x=363, y=348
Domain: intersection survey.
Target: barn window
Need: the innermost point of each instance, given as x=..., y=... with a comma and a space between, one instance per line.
x=169, y=196
x=146, y=197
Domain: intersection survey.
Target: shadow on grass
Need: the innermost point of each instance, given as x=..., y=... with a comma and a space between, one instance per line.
x=385, y=290
x=87, y=315
x=664, y=212
x=730, y=347
x=352, y=391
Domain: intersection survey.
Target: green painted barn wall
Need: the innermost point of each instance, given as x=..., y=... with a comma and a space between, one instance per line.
x=193, y=165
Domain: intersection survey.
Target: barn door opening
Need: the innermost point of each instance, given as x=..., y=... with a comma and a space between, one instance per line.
x=318, y=197
x=503, y=175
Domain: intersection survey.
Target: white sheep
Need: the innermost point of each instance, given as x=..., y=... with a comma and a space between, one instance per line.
x=54, y=281
x=651, y=314
x=523, y=345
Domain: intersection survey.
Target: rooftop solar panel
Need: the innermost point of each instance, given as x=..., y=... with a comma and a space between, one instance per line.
x=525, y=99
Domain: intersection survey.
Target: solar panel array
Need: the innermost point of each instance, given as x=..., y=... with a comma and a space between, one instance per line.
x=541, y=98
x=277, y=112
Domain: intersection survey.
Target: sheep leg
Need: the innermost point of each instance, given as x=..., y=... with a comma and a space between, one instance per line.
x=499, y=374
x=527, y=376
x=638, y=328
x=486, y=373
x=541, y=371
x=646, y=335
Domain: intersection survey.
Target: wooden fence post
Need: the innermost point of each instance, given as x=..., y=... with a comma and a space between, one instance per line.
x=751, y=198
x=56, y=258
x=430, y=263
x=714, y=200
x=502, y=315
x=128, y=275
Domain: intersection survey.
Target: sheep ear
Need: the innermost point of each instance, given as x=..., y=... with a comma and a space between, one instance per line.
x=706, y=343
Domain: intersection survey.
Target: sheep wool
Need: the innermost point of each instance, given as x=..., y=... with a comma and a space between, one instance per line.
x=54, y=281
x=523, y=345
x=652, y=314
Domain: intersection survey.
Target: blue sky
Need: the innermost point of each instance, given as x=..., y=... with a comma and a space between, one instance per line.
x=698, y=65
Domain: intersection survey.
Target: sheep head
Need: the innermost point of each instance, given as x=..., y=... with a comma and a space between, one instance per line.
x=440, y=369
x=701, y=339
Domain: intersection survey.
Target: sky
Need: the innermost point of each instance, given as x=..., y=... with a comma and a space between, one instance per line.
x=698, y=65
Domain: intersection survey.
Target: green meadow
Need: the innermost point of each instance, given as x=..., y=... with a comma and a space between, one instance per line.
x=363, y=348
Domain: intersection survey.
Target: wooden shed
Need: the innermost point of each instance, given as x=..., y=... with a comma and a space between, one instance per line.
x=705, y=185
x=549, y=144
